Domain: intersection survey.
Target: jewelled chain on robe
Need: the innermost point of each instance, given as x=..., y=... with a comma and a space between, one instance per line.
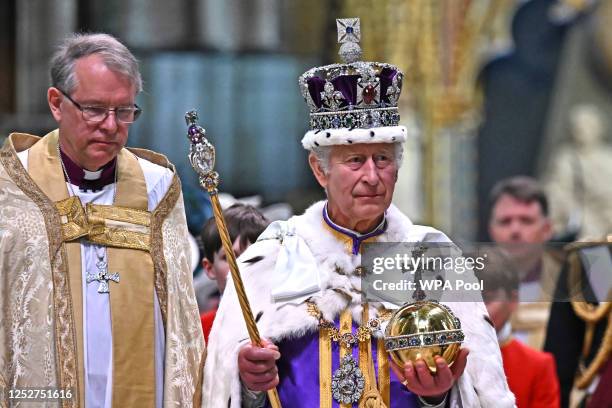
x=369, y=395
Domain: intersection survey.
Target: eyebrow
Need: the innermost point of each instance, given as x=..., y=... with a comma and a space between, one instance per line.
x=104, y=105
x=89, y=102
x=359, y=153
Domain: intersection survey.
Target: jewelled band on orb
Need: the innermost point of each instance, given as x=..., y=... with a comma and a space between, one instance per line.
x=438, y=338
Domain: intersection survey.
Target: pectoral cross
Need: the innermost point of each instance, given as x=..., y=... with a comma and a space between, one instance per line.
x=103, y=276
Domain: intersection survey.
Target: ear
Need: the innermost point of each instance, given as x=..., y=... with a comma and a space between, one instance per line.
x=54, y=98
x=208, y=269
x=317, y=170
x=548, y=229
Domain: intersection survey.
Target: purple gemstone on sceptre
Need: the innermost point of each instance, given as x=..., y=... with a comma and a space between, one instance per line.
x=349, y=30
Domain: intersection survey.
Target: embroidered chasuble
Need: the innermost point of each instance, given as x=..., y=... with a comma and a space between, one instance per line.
x=131, y=340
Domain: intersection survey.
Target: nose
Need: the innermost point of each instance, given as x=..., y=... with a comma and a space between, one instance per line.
x=109, y=123
x=515, y=230
x=370, y=172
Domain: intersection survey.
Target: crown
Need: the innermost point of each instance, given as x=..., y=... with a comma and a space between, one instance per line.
x=355, y=94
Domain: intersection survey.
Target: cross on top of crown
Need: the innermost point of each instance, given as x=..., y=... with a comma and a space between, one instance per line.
x=349, y=35
x=348, y=30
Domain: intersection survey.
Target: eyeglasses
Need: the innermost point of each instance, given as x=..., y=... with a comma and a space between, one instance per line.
x=97, y=114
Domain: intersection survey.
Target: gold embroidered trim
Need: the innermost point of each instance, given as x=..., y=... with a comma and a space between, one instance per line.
x=106, y=225
x=73, y=218
x=72, y=251
x=117, y=213
x=371, y=397
x=325, y=369
x=365, y=350
x=65, y=331
x=119, y=238
x=62, y=301
x=157, y=243
x=384, y=380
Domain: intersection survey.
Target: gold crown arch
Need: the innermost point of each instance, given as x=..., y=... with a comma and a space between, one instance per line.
x=441, y=45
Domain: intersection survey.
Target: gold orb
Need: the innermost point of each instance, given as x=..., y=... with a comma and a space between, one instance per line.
x=423, y=330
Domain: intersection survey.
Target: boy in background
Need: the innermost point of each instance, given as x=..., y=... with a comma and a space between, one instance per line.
x=244, y=224
x=531, y=373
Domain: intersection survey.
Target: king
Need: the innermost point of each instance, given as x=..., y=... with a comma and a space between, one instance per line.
x=74, y=205
x=323, y=345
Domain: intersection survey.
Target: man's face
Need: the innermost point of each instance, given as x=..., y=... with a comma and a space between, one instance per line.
x=517, y=222
x=359, y=183
x=92, y=145
x=219, y=268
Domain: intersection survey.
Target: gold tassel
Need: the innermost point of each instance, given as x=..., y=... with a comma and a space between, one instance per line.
x=591, y=315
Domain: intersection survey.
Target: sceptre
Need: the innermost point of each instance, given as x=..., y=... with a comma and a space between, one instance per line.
x=202, y=159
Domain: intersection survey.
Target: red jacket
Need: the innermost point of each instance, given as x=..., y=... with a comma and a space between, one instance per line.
x=207, y=319
x=532, y=376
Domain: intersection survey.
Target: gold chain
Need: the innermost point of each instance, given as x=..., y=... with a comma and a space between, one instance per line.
x=364, y=332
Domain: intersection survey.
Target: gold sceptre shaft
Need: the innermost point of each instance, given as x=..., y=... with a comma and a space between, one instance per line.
x=202, y=158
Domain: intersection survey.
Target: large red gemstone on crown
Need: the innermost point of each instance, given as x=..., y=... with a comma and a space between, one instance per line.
x=368, y=94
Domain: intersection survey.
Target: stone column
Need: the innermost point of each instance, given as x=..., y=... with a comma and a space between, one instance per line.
x=41, y=24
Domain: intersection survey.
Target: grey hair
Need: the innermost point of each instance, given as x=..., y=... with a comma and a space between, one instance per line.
x=323, y=153
x=115, y=55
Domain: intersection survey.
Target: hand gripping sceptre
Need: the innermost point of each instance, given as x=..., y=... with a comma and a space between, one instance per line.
x=202, y=158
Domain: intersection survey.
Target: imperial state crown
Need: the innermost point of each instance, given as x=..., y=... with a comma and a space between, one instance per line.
x=354, y=101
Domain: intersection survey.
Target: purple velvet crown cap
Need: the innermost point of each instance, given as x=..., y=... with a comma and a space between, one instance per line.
x=347, y=85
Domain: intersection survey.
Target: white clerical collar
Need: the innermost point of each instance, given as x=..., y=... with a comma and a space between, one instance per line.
x=92, y=175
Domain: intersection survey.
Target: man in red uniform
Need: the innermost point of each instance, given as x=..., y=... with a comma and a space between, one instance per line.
x=531, y=373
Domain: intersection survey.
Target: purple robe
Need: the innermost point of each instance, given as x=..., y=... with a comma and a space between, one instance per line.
x=298, y=370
